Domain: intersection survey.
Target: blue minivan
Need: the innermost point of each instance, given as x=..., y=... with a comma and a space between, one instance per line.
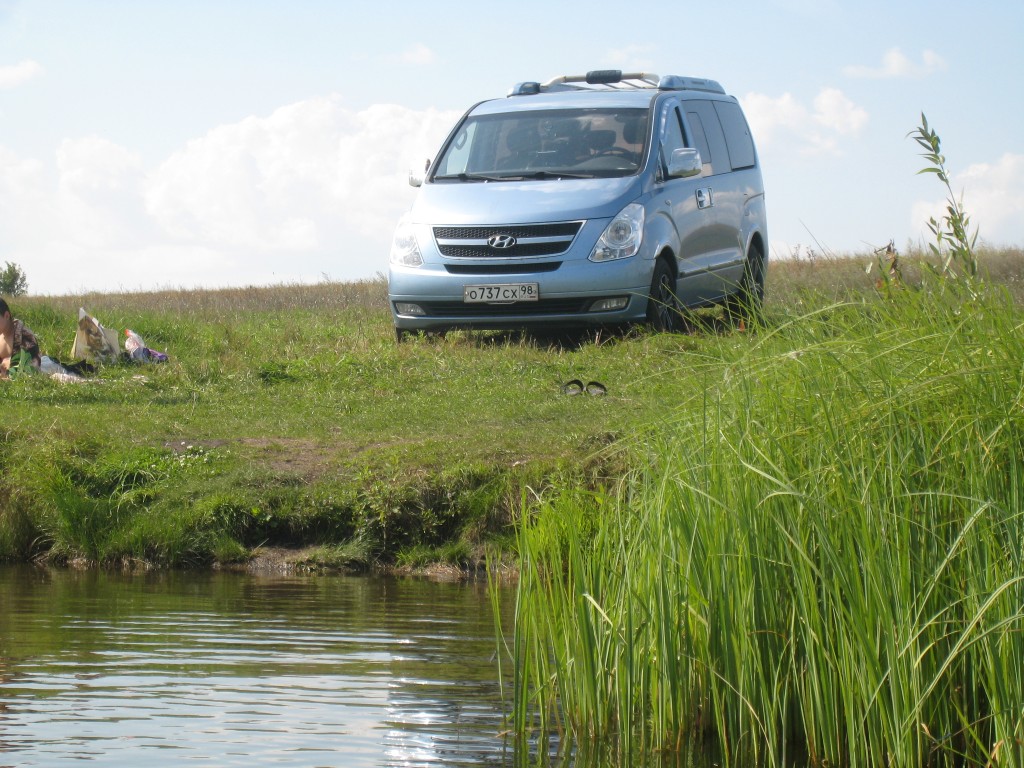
x=589, y=200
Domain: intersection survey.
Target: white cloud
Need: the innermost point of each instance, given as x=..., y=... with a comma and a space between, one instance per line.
x=311, y=189
x=18, y=74
x=992, y=195
x=419, y=54
x=17, y=175
x=815, y=129
x=303, y=178
x=833, y=111
x=895, y=64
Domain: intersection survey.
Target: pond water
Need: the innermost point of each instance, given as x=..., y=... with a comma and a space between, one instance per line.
x=227, y=669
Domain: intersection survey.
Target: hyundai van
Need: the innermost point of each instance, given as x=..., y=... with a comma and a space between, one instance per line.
x=588, y=200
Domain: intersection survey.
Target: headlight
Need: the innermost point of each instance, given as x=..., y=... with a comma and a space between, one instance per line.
x=405, y=249
x=623, y=235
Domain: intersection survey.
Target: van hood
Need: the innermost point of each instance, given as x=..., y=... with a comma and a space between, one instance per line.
x=522, y=202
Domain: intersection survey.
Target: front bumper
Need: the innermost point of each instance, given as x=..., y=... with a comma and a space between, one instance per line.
x=570, y=294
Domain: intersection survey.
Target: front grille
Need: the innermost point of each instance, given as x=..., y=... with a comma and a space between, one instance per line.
x=569, y=228
x=531, y=240
x=484, y=251
x=502, y=269
x=498, y=311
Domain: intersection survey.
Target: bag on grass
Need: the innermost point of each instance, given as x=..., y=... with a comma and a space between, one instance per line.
x=92, y=341
x=138, y=351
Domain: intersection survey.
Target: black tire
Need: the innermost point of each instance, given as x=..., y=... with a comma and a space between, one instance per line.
x=745, y=305
x=400, y=334
x=662, y=304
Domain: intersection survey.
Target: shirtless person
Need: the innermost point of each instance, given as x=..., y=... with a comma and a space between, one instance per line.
x=15, y=338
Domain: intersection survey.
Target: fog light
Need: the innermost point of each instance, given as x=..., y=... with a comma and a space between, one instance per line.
x=609, y=305
x=404, y=308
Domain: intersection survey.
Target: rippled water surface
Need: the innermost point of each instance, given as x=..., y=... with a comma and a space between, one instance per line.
x=172, y=669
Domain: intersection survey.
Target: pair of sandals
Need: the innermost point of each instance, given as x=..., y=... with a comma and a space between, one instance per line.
x=577, y=387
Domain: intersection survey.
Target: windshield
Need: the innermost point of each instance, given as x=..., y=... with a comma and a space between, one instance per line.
x=570, y=143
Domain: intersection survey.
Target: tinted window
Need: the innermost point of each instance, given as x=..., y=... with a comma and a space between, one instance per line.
x=718, y=155
x=737, y=134
x=700, y=140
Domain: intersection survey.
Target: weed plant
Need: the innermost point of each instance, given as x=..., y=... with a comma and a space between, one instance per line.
x=820, y=559
x=816, y=558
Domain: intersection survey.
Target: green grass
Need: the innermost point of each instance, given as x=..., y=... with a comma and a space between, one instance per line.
x=287, y=415
x=815, y=559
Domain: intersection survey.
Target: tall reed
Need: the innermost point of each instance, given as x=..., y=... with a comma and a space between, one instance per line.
x=819, y=560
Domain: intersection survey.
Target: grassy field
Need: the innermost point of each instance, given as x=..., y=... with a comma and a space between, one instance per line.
x=287, y=415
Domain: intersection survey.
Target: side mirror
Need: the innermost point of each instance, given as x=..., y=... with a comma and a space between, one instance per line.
x=685, y=163
x=416, y=177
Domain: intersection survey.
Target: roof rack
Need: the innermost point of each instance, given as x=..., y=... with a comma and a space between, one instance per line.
x=609, y=78
x=615, y=79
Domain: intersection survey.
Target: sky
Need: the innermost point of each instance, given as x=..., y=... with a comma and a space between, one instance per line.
x=151, y=145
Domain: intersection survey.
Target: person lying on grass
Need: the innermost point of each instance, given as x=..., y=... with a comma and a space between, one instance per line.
x=18, y=345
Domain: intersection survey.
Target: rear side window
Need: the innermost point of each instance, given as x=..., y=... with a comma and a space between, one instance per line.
x=700, y=139
x=702, y=113
x=737, y=134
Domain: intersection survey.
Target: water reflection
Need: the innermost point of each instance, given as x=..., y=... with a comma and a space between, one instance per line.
x=230, y=669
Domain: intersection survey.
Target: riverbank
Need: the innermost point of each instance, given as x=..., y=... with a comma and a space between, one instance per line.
x=288, y=417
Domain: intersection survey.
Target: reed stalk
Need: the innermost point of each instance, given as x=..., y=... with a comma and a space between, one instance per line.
x=819, y=560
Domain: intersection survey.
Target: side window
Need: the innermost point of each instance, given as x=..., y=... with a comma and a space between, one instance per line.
x=674, y=137
x=737, y=134
x=673, y=132
x=457, y=159
x=700, y=141
x=703, y=113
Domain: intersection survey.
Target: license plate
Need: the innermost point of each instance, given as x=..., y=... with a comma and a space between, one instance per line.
x=500, y=293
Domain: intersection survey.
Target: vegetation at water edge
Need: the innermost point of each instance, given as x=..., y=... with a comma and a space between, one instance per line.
x=818, y=557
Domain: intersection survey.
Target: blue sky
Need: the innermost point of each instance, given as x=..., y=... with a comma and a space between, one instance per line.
x=148, y=145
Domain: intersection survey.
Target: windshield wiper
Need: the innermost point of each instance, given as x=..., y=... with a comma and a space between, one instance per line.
x=472, y=177
x=556, y=175
x=515, y=176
